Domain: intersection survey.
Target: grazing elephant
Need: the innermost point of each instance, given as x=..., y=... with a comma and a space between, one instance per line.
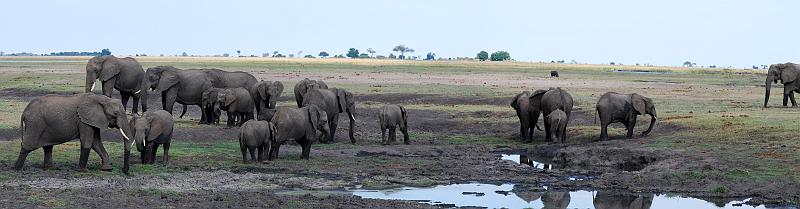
x=555, y=200
x=528, y=116
x=124, y=74
x=237, y=103
x=300, y=125
x=333, y=101
x=210, y=106
x=554, y=73
x=53, y=119
x=266, y=94
x=558, y=123
x=616, y=200
x=256, y=136
x=183, y=86
x=547, y=101
x=151, y=130
x=267, y=114
x=788, y=74
x=392, y=117
x=300, y=89
x=614, y=107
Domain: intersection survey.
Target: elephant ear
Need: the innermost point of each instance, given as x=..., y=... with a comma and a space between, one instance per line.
x=229, y=98
x=91, y=111
x=156, y=128
x=313, y=116
x=639, y=103
x=277, y=87
x=536, y=97
x=110, y=69
x=341, y=96
x=788, y=73
x=167, y=79
x=514, y=102
x=322, y=84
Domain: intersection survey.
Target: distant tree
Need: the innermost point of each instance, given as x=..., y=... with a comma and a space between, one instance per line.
x=560, y=61
x=402, y=49
x=755, y=67
x=612, y=63
x=687, y=64
x=482, y=56
x=105, y=52
x=380, y=57
x=265, y=55
x=238, y=53
x=184, y=54
x=291, y=55
x=339, y=56
x=712, y=66
x=392, y=56
x=352, y=53
x=762, y=66
x=278, y=55
x=2, y=53
x=274, y=53
x=309, y=56
x=371, y=52
x=323, y=54
x=363, y=55
x=300, y=53
x=573, y=62
x=430, y=56
x=499, y=56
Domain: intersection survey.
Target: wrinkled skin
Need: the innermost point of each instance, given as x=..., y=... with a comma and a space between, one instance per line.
x=392, y=117
x=614, y=107
x=554, y=74
x=151, y=130
x=787, y=73
x=224, y=79
x=53, y=119
x=619, y=200
x=300, y=89
x=267, y=114
x=528, y=116
x=333, y=101
x=547, y=101
x=300, y=125
x=123, y=74
x=558, y=123
x=237, y=103
x=210, y=105
x=266, y=94
x=256, y=136
x=183, y=86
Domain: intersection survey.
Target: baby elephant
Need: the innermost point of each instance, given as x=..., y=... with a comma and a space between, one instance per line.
x=256, y=135
x=558, y=124
x=553, y=73
x=152, y=129
x=267, y=114
x=392, y=117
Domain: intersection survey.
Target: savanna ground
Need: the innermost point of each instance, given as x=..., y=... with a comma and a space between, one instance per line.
x=713, y=139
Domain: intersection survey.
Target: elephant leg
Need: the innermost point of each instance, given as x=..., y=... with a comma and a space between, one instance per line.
x=136, y=103
x=631, y=124
x=334, y=123
x=603, y=130
x=97, y=146
x=273, y=152
x=252, y=151
x=83, y=159
x=392, y=134
x=125, y=96
x=405, y=134
x=153, y=151
x=547, y=130
x=785, y=99
x=169, y=96
x=383, y=136
x=166, y=154
x=108, y=87
x=791, y=98
x=243, y=148
x=306, y=149
x=88, y=135
x=48, y=157
x=261, y=152
x=23, y=153
x=231, y=119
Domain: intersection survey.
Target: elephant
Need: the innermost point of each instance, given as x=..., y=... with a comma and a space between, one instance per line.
x=151, y=130
x=183, y=86
x=617, y=200
x=300, y=89
x=266, y=94
x=615, y=107
x=547, y=101
x=392, y=117
x=267, y=114
x=788, y=74
x=54, y=119
x=256, y=136
x=300, y=125
x=210, y=105
x=554, y=73
x=558, y=122
x=237, y=103
x=224, y=79
x=555, y=200
x=333, y=101
x=526, y=115
x=124, y=74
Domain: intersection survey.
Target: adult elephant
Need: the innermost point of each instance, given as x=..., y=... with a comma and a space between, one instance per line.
x=124, y=74
x=300, y=125
x=53, y=119
x=333, y=101
x=266, y=94
x=300, y=89
x=787, y=73
x=547, y=101
x=224, y=79
x=183, y=86
x=527, y=115
x=620, y=200
x=615, y=107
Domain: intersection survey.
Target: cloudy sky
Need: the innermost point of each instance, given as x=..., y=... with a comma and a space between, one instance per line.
x=736, y=33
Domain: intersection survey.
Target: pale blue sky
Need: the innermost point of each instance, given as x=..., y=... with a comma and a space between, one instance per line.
x=738, y=33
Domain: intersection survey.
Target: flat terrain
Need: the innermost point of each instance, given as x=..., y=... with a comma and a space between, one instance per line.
x=713, y=140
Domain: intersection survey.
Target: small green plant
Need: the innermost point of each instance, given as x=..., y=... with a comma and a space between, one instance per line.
x=720, y=189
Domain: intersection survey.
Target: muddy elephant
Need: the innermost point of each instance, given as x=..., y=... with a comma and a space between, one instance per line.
x=256, y=136
x=622, y=200
x=528, y=116
x=237, y=103
x=392, y=117
x=615, y=107
x=558, y=123
x=788, y=74
x=300, y=125
x=547, y=101
x=266, y=94
x=300, y=89
x=123, y=74
x=183, y=86
x=266, y=114
x=210, y=106
x=151, y=130
x=333, y=101
x=53, y=119
x=555, y=200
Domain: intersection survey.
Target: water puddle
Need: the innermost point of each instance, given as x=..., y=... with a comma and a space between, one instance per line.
x=505, y=196
x=523, y=159
x=647, y=72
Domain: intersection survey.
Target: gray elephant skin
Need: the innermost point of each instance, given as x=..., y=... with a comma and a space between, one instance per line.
x=528, y=115
x=266, y=114
x=210, y=105
x=619, y=200
x=183, y=86
x=256, y=137
x=547, y=101
x=300, y=89
x=558, y=123
x=556, y=200
x=123, y=74
x=615, y=107
x=151, y=130
x=266, y=94
x=237, y=103
x=333, y=101
x=392, y=117
x=53, y=119
x=300, y=125
x=554, y=74
x=224, y=79
x=787, y=73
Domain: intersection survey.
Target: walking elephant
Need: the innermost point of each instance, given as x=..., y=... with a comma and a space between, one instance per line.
x=256, y=136
x=300, y=125
x=787, y=73
x=266, y=94
x=300, y=89
x=152, y=129
x=620, y=200
x=392, y=117
x=123, y=74
x=615, y=107
x=333, y=101
x=183, y=86
x=547, y=101
x=53, y=119
x=527, y=114
x=237, y=103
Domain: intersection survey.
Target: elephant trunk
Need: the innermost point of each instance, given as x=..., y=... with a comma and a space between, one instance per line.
x=91, y=77
x=125, y=130
x=653, y=118
x=352, y=126
x=768, y=86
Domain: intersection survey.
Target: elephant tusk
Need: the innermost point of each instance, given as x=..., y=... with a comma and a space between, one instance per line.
x=93, y=86
x=654, y=117
x=352, y=117
x=123, y=134
x=137, y=92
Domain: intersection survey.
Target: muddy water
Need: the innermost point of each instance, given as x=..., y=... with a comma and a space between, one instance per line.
x=502, y=196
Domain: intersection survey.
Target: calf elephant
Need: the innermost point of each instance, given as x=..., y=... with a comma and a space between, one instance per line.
x=266, y=94
x=547, y=101
x=788, y=74
x=615, y=107
x=266, y=115
x=558, y=123
x=183, y=86
x=237, y=103
x=151, y=130
x=300, y=89
x=333, y=101
x=392, y=117
x=300, y=125
x=224, y=79
x=210, y=105
x=554, y=74
x=256, y=136
x=123, y=74
x=527, y=114
x=53, y=119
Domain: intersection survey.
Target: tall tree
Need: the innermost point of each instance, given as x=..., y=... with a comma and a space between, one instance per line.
x=371, y=52
x=402, y=49
x=105, y=52
x=238, y=53
x=323, y=54
x=352, y=53
x=500, y=56
x=483, y=56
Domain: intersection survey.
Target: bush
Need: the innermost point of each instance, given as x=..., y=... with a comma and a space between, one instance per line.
x=352, y=53
x=500, y=56
x=309, y=56
x=363, y=55
x=482, y=56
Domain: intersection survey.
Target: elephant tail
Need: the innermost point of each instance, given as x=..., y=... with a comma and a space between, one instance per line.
x=22, y=127
x=537, y=126
x=183, y=112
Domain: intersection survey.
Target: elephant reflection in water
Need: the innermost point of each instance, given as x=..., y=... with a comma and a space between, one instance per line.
x=523, y=159
x=550, y=199
x=617, y=200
